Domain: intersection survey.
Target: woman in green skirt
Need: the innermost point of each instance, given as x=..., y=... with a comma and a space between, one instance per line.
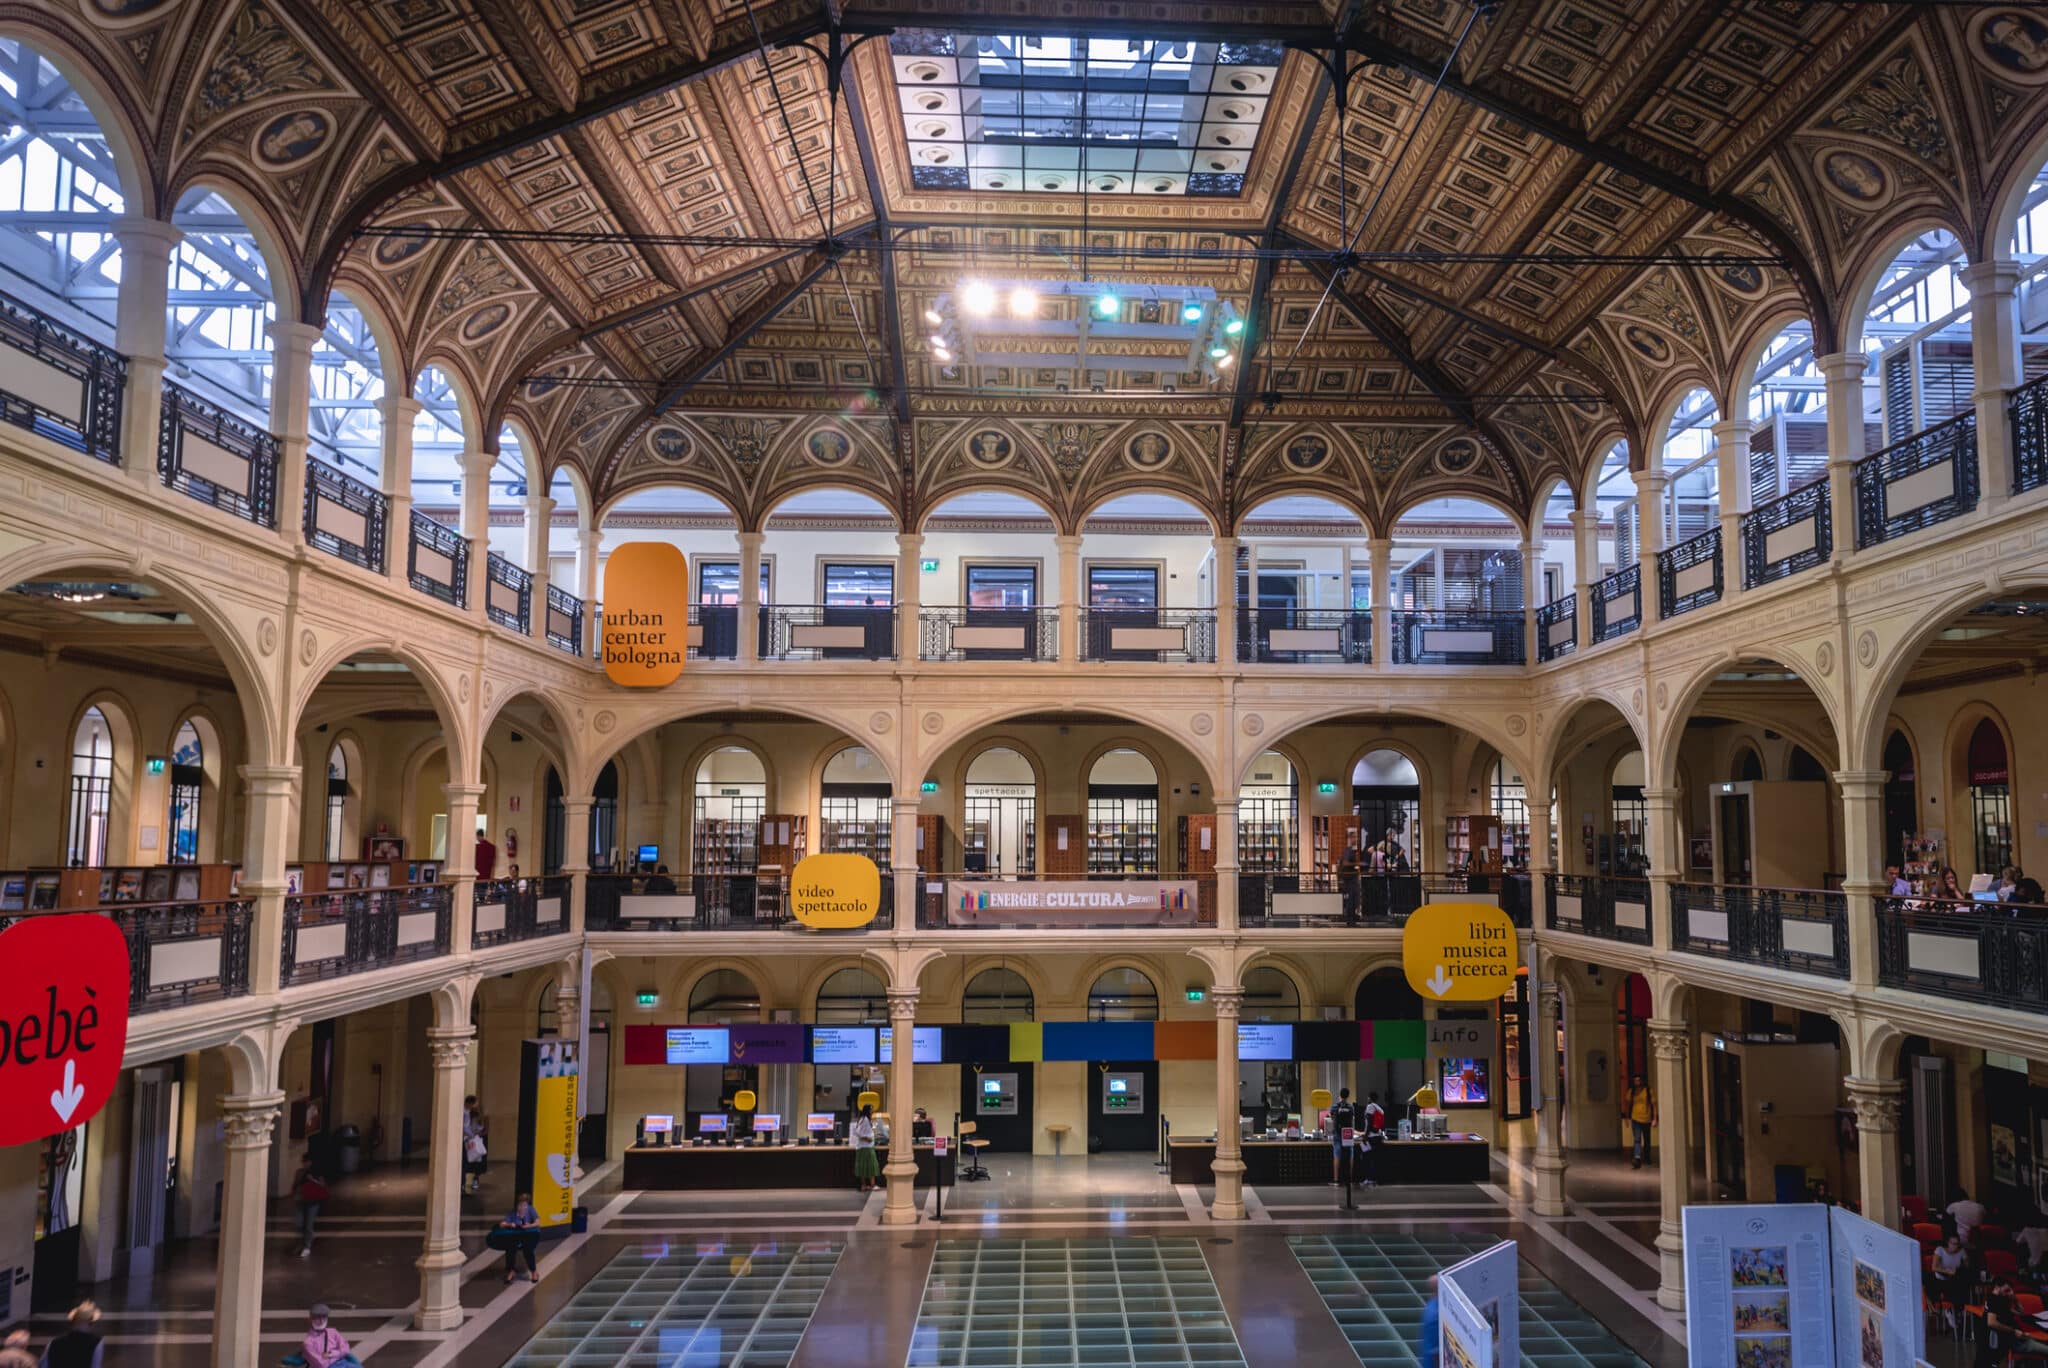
x=866, y=1166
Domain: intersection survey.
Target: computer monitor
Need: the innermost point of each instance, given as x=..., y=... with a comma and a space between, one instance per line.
x=767, y=1121
x=711, y=1123
x=821, y=1121
x=1989, y=895
x=650, y=854
x=991, y=1087
x=657, y=1125
x=1119, y=1085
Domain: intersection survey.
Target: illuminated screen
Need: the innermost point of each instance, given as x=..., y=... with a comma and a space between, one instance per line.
x=991, y=1086
x=767, y=1121
x=844, y=1045
x=708, y=1124
x=821, y=1121
x=1119, y=1085
x=696, y=1044
x=1464, y=1083
x=658, y=1125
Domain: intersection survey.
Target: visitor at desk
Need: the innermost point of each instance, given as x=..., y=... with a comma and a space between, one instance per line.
x=660, y=881
x=920, y=1126
x=519, y=1232
x=866, y=1167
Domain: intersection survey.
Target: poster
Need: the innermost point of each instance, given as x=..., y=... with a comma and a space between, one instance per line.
x=844, y=1045
x=1877, y=1294
x=926, y=1044
x=547, y=1127
x=1488, y=1280
x=1758, y=1288
x=1464, y=1339
x=1263, y=1041
x=696, y=1044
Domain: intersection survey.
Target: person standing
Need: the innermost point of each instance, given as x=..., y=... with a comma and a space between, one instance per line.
x=1431, y=1335
x=475, y=1145
x=486, y=857
x=309, y=1187
x=866, y=1167
x=1642, y=1114
x=1342, y=1116
x=78, y=1347
x=521, y=1233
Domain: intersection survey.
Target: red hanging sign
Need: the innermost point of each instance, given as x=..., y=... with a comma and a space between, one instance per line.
x=63, y=1022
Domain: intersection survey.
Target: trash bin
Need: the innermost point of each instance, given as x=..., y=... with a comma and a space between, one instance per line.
x=348, y=1149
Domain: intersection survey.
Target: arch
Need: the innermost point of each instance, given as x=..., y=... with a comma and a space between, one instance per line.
x=529, y=451
x=1517, y=518
x=660, y=716
x=1393, y=980
x=1888, y=674
x=1685, y=701
x=814, y=991
x=971, y=974
x=1750, y=350
x=385, y=333
x=840, y=486
x=1180, y=496
x=1131, y=715
x=272, y=242
x=2001, y=226
x=453, y=369
x=559, y=743
x=1301, y=1003
x=209, y=828
x=1023, y=493
x=1287, y=749
x=1128, y=982
x=1869, y=271
x=708, y=983
x=1552, y=754
x=694, y=764
x=421, y=670
x=138, y=186
x=1959, y=746
x=974, y=750
x=342, y=835
x=100, y=832
x=1336, y=494
x=620, y=496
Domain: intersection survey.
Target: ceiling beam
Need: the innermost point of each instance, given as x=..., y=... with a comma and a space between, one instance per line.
x=1262, y=273
x=892, y=308
x=1312, y=28
x=1375, y=48
x=759, y=316
x=1374, y=320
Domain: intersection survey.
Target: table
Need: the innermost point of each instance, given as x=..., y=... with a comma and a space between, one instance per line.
x=691, y=1168
x=1306, y=1163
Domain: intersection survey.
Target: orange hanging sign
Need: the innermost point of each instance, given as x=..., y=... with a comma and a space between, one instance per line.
x=646, y=614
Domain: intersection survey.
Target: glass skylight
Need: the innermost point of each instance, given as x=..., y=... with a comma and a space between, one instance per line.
x=1038, y=113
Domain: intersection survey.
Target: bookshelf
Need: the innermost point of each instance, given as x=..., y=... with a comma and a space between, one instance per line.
x=1472, y=844
x=1329, y=838
x=1267, y=838
x=1123, y=835
x=931, y=843
x=724, y=846
x=1197, y=833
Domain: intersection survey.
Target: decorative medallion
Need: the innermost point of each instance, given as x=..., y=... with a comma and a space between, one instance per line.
x=1647, y=344
x=392, y=250
x=543, y=385
x=604, y=722
x=670, y=444
x=260, y=58
x=462, y=689
x=2014, y=43
x=293, y=137
x=1388, y=449
x=1853, y=176
x=1306, y=454
x=1663, y=696
x=932, y=724
x=1253, y=724
x=485, y=321
x=1069, y=444
x=266, y=636
x=490, y=691
x=1457, y=456
x=746, y=440
x=880, y=722
x=1517, y=724
x=1201, y=724
x=309, y=646
x=1824, y=658
x=989, y=449
x=830, y=447
x=1148, y=451
x=1635, y=703
x=1744, y=278
x=1866, y=649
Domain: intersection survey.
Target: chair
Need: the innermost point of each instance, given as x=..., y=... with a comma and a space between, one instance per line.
x=974, y=1145
x=1913, y=1208
x=2001, y=1263
x=1058, y=1134
x=1991, y=1236
x=1928, y=1234
x=2028, y=1303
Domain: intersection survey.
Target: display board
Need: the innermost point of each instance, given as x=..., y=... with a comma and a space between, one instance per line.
x=696, y=1045
x=843, y=1045
x=1264, y=1041
x=547, y=1127
x=1877, y=1294
x=927, y=1045
x=1489, y=1280
x=1464, y=1339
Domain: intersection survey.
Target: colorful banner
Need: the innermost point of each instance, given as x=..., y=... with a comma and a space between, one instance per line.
x=547, y=1128
x=1488, y=1280
x=1757, y=1287
x=778, y=1044
x=1878, y=1323
x=1072, y=902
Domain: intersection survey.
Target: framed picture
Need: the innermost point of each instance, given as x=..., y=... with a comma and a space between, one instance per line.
x=359, y=876
x=128, y=886
x=2004, y=1156
x=156, y=885
x=294, y=879
x=1702, y=852
x=430, y=872
x=42, y=894
x=106, y=886
x=383, y=848
x=14, y=893
x=412, y=872
x=337, y=876
x=380, y=876
x=186, y=887
x=235, y=882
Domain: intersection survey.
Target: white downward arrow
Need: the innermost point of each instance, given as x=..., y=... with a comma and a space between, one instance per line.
x=1439, y=982
x=66, y=1099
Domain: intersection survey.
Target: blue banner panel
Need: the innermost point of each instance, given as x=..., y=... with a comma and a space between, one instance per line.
x=1106, y=1041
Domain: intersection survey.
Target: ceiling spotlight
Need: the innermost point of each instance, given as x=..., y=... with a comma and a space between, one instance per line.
x=934, y=317
x=979, y=297
x=1191, y=312
x=1223, y=362
x=938, y=339
x=1218, y=353
x=1024, y=302
x=1107, y=304
x=1234, y=326
x=942, y=353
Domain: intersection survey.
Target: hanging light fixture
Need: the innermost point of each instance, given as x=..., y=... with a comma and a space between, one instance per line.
x=979, y=298
x=1191, y=312
x=1023, y=302
x=1107, y=303
x=1234, y=326
x=934, y=317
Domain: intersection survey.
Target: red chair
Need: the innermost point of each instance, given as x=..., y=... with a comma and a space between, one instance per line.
x=1928, y=1234
x=2001, y=1263
x=1914, y=1209
x=2028, y=1303
x=1991, y=1236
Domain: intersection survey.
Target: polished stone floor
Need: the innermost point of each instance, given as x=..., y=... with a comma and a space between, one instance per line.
x=1076, y=1260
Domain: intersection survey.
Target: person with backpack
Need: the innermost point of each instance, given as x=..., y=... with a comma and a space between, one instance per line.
x=1343, y=1116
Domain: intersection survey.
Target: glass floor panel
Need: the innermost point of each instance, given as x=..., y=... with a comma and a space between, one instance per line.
x=708, y=1304
x=1024, y=1303
x=1375, y=1286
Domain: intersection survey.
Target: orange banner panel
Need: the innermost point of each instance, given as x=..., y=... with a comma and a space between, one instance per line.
x=646, y=614
x=1184, y=1039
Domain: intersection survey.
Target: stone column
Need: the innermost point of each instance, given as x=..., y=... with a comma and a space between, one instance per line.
x=1877, y=1102
x=270, y=793
x=589, y=550
x=576, y=856
x=1863, y=859
x=1532, y=589
x=1585, y=569
x=1381, y=552
x=1226, y=861
x=540, y=512
x=909, y=594
x=440, y=1262
x=750, y=597
x=141, y=319
x=899, y=1202
x=1651, y=537
x=1550, y=1156
x=1229, y=1166
x=1731, y=468
x=398, y=412
x=1071, y=592
x=476, y=525
x=1662, y=840
x=904, y=864
x=1996, y=365
x=291, y=395
x=249, y=1121
x=1226, y=601
x=459, y=869
x=1843, y=373
x=1671, y=1047
x=1541, y=865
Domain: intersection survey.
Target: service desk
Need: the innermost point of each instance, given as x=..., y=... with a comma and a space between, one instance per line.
x=1306, y=1163
x=689, y=1168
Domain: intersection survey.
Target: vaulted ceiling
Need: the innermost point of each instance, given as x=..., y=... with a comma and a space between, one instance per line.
x=654, y=235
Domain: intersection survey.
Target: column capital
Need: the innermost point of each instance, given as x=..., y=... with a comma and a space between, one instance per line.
x=1877, y=1102
x=272, y=779
x=902, y=1002
x=1067, y=541
x=1654, y=478
x=250, y=1118
x=751, y=539
x=457, y=792
x=904, y=805
x=909, y=541
x=400, y=408
x=1228, y=1000
x=1985, y=278
x=294, y=337
x=1661, y=797
x=1871, y=781
x=478, y=460
x=449, y=1046
x=1379, y=545
x=135, y=233
x=1841, y=367
x=1670, y=1040
x=573, y=804
x=542, y=502
x=1731, y=430
x=1549, y=997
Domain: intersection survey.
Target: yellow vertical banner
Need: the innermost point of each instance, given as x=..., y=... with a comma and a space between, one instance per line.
x=547, y=1128
x=646, y=614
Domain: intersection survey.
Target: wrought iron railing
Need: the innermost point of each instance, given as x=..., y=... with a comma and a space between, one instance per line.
x=330, y=935
x=437, y=561
x=969, y=633
x=815, y=631
x=1954, y=950
x=565, y=621
x=1557, y=628
x=63, y=385
x=506, y=911
x=1366, y=899
x=205, y=454
x=967, y=902
x=1167, y=635
x=508, y=594
x=345, y=517
x=1457, y=638
x=1787, y=535
x=1802, y=929
x=1304, y=636
x=1926, y=479
x=2028, y=409
x=706, y=902
x=1689, y=574
x=718, y=631
x=1617, y=603
x=1606, y=906
x=180, y=954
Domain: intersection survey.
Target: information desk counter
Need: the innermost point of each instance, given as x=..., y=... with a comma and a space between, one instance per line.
x=1306, y=1163
x=688, y=1168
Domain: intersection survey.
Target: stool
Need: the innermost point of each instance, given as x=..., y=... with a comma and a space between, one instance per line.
x=974, y=1172
x=1058, y=1133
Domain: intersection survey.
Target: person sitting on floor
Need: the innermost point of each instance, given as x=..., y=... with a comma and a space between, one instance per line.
x=520, y=1233
x=324, y=1345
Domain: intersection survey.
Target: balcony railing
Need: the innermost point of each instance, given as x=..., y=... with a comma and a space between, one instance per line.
x=565, y=621
x=1557, y=628
x=715, y=631
x=329, y=935
x=1689, y=574
x=1787, y=928
x=60, y=384
x=811, y=631
x=705, y=902
x=180, y=954
x=345, y=517
x=2029, y=410
x=437, y=561
x=1166, y=635
x=1617, y=603
x=1608, y=907
x=1458, y=638
x=1954, y=950
x=1367, y=900
x=207, y=455
x=508, y=594
x=505, y=911
x=968, y=902
x=969, y=633
x=1304, y=636
x=1787, y=535
x=1926, y=479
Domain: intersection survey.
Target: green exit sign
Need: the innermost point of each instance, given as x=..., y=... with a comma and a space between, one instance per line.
x=1326, y=788
x=1197, y=994
x=647, y=999
x=930, y=567
x=156, y=764
x=931, y=786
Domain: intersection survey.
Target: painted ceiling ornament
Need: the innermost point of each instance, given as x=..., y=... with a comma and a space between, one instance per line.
x=989, y=449
x=745, y=440
x=2014, y=43
x=1069, y=444
x=670, y=444
x=1306, y=454
x=1894, y=105
x=1148, y=451
x=1647, y=344
x=1859, y=179
x=1457, y=456
x=260, y=58
x=293, y=137
x=1661, y=300
x=390, y=251
x=485, y=321
x=1388, y=449
x=483, y=273
x=829, y=447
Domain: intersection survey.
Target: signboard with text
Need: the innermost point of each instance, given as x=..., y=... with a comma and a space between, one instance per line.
x=1459, y=952
x=63, y=1022
x=1072, y=902
x=646, y=614
x=547, y=1128
x=835, y=891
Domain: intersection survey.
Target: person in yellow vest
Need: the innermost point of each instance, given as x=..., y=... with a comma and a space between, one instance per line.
x=1642, y=1114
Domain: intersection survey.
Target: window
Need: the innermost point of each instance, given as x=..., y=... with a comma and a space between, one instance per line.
x=719, y=582
x=188, y=778
x=996, y=995
x=55, y=165
x=92, y=790
x=1002, y=586
x=337, y=802
x=1123, y=995
x=1123, y=586
x=1990, y=798
x=859, y=585
x=1510, y=800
